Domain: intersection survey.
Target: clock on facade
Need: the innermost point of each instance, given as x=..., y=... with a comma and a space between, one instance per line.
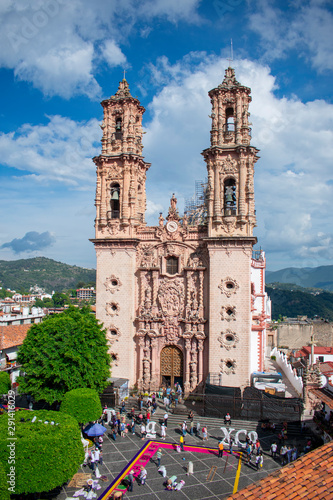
x=172, y=226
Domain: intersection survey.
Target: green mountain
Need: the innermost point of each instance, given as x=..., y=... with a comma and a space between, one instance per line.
x=291, y=301
x=306, y=277
x=21, y=274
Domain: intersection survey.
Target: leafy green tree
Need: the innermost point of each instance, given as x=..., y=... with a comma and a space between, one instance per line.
x=5, y=383
x=83, y=404
x=48, y=302
x=46, y=455
x=66, y=351
x=60, y=299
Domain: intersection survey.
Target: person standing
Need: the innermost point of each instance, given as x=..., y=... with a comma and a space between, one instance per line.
x=143, y=431
x=259, y=460
x=204, y=434
x=133, y=426
x=221, y=448
x=283, y=454
x=231, y=442
x=166, y=416
x=184, y=428
x=143, y=475
x=227, y=419
x=148, y=416
x=163, y=431
x=191, y=427
x=159, y=456
x=181, y=442
x=273, y=449
x=248, y=452
x=198, y=429
x=130, y=480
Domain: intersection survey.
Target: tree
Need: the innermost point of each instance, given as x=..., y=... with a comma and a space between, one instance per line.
x=66, y=351
x=60, y=299
x=5, y=383
x=83, y=404
x=45, y=455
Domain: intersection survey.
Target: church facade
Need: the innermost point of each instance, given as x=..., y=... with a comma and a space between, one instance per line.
x=183, y=301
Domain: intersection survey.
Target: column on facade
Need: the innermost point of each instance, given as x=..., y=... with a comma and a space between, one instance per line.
x=125, y=207
x=194, y=364
x=103, y=195
x=154, y=381
x=238, y=119
x=187, y=365
x=200, y=361
x=140, y=344
x=201, y=306
x=241, y=189
x=221, y=121
x=155, y=275
x=217, y=197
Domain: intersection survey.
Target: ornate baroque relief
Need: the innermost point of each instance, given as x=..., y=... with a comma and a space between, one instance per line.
x=112, y=308
x=228, y=286
x=228, y=366
x=228, y=339
x=112, y=284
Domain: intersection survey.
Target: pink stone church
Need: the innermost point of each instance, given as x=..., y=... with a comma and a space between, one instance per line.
x=183, y=301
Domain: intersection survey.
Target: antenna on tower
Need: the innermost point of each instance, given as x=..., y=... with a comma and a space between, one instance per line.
x=124, y=74
x=231, y=58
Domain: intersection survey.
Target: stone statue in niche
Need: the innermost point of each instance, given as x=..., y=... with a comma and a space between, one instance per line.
x=161, y=220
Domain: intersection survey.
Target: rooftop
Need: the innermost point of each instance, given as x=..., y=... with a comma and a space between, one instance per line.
x=308, y=477
x=12, y=335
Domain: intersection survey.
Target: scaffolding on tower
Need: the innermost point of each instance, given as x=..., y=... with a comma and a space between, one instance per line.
x=196, y=206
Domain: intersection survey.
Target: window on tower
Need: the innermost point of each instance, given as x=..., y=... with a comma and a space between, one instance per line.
x=230, y=125
x=115, y=201
x=230, y=202
x=172, y=265
x=119, y=133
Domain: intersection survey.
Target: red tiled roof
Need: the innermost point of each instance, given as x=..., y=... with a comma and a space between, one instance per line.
x=306, y=350
x=309, y=477
x=12, y=335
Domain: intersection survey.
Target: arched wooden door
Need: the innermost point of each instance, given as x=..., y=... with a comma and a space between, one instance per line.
x=171, y=366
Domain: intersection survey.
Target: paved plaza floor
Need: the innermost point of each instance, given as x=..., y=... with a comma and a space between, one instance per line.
x=117, y=457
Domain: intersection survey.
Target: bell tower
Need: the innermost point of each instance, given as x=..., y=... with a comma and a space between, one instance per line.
x=230, y=161
x=121, y=171
x=231, y=218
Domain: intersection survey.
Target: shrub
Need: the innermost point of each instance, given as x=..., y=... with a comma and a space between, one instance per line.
x=5, y=383
x=4, y=492
x=83, y=404
x=46, y=455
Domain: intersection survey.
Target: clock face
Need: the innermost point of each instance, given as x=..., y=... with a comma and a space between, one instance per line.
x=172, y=226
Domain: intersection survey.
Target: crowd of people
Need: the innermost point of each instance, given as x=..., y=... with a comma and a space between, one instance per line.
x=134, y=421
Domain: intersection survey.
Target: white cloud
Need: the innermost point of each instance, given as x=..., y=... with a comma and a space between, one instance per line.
x=59, y=151
x=307, y=27
x=293, y=178
x=51, y=44
x=113, y=54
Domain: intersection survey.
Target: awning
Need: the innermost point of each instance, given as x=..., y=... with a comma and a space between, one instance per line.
x=324, y=397
x=12, y=356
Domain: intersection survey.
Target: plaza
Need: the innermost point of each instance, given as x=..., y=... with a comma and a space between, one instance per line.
x=212, y=477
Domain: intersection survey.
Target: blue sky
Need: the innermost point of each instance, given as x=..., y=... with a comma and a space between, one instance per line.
x=59, y=59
